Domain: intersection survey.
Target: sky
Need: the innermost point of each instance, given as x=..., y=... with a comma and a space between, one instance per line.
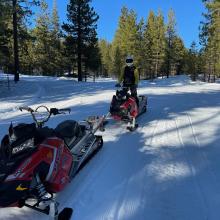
x=188, y=15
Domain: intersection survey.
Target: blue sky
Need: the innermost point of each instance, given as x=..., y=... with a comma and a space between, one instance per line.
x=188, y=14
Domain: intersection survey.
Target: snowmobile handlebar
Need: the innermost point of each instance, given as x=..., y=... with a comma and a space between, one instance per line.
x=118, y=85
x=51, y=111
x=26, y=108
x=121, y=86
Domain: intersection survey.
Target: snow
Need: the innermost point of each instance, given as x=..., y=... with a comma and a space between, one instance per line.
x=168, y=169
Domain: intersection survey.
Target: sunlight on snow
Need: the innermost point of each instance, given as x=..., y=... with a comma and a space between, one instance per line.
x=168, y=171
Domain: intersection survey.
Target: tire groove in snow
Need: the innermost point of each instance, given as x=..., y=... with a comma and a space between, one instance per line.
x=204, y=156
x=212, y=191
x=197, y=183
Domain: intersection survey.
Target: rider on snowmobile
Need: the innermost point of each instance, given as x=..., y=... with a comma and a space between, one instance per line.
x=130, y=77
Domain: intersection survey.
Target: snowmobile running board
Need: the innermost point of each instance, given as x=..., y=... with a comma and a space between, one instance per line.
x=133, y=124
x=65, y=214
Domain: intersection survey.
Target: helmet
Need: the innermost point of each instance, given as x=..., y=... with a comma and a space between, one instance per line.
x=129, y=60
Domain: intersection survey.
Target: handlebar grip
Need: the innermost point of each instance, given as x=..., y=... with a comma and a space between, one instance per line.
x=56, y=111
x=65, y=110
x=26, y=108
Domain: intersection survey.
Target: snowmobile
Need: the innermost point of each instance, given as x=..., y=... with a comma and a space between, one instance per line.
x=126, y=108
x=37, y=161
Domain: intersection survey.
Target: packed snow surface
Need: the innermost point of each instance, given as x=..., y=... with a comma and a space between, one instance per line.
x=168, y=169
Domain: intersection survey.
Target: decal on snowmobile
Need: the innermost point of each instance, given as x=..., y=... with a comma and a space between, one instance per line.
x=20, y=188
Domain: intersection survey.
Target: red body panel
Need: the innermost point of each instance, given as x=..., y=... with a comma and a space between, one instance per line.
x=54, y=153
x=61, y=167
x=131, y=105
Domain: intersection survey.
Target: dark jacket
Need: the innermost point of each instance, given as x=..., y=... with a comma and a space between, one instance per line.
x=129, y=76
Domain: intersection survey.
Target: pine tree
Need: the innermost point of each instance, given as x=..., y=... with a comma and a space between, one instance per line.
x=15, y=17
x=106, y=58
x=128, y=38
x=192, y=61
x=20, y=10
x=210, y=37
x=117, y=62
x=140, y=56
x=56, y=62
x=159, y=45
x=5, y=35
x=82, y=25
x=120, y=39
x=43, y=42
x=149, y=37
x=171, y=35
x=179, y=53
x=55, y=20
x=92, y=57
x=132, y=36
x=69, y=51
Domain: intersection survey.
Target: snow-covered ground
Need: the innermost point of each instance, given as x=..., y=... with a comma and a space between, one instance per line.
x=168, y=169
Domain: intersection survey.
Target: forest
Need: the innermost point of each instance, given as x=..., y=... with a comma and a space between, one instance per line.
x=38, y=43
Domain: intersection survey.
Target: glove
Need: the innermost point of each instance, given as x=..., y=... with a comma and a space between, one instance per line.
x=118, y=85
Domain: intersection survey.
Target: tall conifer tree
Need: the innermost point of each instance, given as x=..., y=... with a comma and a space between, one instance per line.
x=81, y=26
x=149, y=42
x=171, y=34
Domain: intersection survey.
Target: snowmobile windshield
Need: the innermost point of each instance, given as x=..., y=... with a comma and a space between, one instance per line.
x=19, y=141
x=16, y=148
x=121, y=94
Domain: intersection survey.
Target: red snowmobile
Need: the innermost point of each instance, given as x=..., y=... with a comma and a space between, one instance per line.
x=37, y=161
x=124, y=107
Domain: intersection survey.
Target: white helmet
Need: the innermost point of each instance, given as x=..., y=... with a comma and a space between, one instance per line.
x=129, y=60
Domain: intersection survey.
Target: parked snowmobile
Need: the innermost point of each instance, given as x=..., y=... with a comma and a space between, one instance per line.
x=124, y=107
x=37, y=161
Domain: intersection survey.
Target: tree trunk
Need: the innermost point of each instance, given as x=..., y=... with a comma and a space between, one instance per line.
x=15, y=38
x=79, y=46
x=79, y=61
x=156, y=69
x=169, y=58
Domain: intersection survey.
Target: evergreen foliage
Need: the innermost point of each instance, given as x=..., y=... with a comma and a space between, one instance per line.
x=155, y=45
x=210, y=39
x=82, y=27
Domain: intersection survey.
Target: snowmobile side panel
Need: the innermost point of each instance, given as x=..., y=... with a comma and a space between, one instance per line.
x=58, y=175
x=62, y=177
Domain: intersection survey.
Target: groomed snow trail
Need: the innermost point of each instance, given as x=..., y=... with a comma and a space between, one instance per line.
x=168, y=169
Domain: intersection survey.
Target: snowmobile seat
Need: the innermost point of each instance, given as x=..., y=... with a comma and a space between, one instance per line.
x=70, y=131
